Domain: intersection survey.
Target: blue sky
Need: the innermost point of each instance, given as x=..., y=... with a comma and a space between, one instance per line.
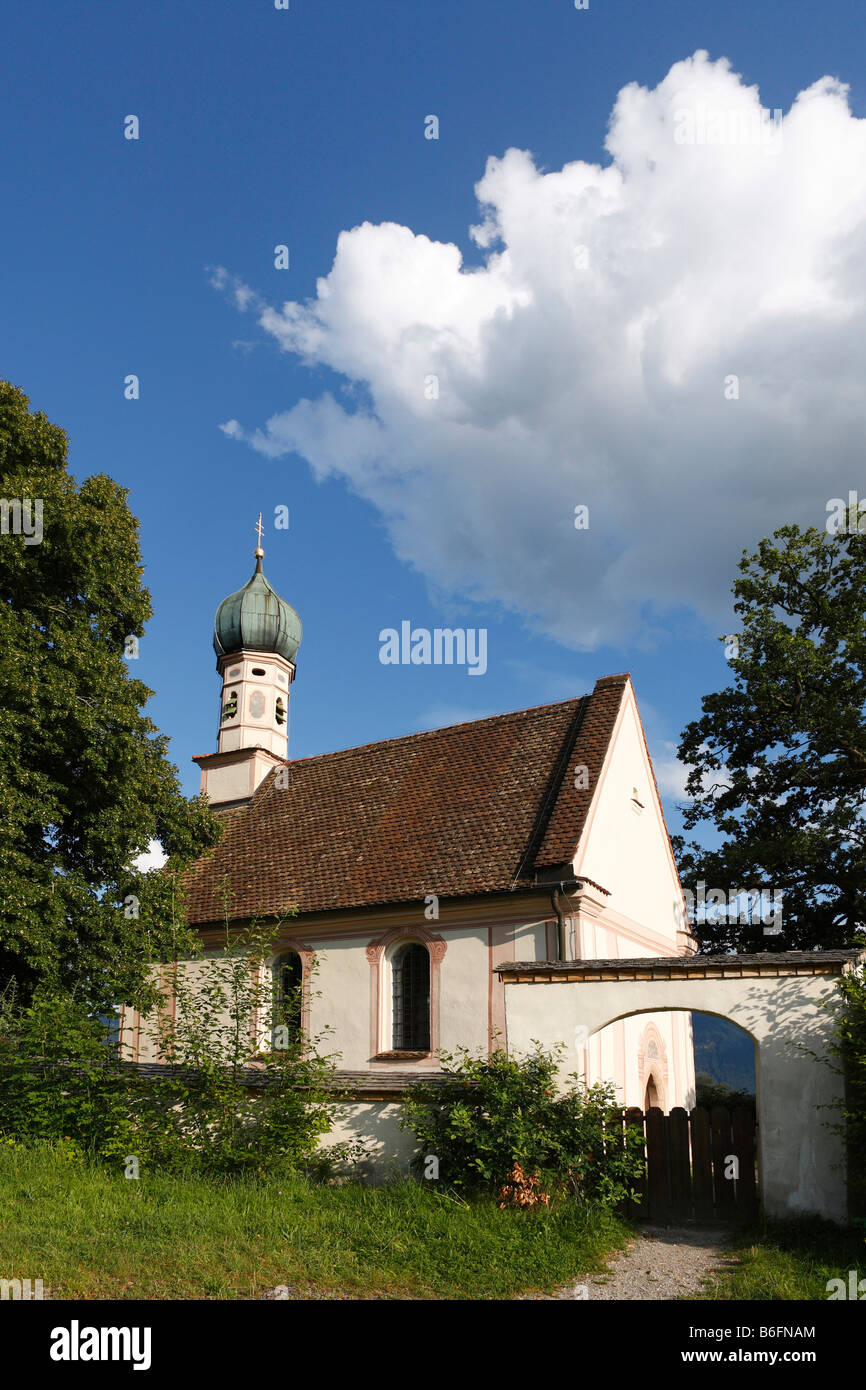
x=262, y=127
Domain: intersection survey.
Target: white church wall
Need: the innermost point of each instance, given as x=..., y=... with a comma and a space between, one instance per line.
x=340, y=997
x=465, y=986
x=140, y=1034
x=345, y=999
x=625, y=847
x=620, y=1054
x=376, y=1123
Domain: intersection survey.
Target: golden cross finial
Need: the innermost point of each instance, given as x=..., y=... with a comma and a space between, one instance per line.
x=259, y=529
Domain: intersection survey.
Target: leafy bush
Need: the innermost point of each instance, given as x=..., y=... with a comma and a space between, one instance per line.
x=850, y=1047
x=59, y=1078
x=495, y=1112
x=224, y=1020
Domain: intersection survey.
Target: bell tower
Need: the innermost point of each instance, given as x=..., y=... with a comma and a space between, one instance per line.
x=256, y=640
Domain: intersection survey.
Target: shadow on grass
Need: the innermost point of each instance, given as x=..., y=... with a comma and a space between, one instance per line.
x=791, y=1260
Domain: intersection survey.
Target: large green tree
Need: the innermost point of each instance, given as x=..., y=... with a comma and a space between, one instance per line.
x=84, y=779
x=778, y=758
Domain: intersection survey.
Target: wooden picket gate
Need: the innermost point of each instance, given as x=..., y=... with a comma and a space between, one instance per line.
x=687, y=1158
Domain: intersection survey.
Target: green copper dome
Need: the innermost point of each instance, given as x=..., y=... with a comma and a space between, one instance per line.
x=256, y=619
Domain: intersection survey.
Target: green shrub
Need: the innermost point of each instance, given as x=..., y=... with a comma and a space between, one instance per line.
x=496, y=1111
x=214, y=1048
x=59, y=1079
x=850, y=1048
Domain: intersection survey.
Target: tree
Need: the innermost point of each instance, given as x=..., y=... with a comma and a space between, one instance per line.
x=84, y=779
x=778, y=758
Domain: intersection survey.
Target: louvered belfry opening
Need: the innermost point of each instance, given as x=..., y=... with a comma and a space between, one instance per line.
x=410, y=969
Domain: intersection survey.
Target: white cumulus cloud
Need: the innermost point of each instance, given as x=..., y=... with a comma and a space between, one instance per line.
x=585, y=361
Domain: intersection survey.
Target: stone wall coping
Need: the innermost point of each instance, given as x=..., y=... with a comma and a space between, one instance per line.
x=682, y=967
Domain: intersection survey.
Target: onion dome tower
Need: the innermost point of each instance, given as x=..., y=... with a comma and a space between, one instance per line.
x=256, y=639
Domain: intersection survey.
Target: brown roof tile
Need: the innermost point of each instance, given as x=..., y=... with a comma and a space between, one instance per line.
x=591, y=745
x=465, y=810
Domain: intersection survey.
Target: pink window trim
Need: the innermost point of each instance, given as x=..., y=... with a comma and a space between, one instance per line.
x=436, y=948
x=307, y=957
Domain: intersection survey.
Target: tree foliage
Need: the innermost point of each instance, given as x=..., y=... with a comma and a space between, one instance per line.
x=778, y=758
x=85, y=783
x=850, y=1049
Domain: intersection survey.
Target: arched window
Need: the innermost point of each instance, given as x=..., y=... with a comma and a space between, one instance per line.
x=410, y=973
x=651, y=1095
x=288, y=977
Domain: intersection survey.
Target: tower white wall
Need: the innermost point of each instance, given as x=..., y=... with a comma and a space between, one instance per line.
x=256, y=685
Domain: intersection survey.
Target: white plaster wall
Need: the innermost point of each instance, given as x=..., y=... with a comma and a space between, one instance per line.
x=802, y=1162
x=192, y=970
x=612, y=1055
x=529, y=940
x=678, y=1077
x=465, y=983
x=626, y=851
x=340, y=992
x=342, y=982
x=229, y=783
x=376, y=1122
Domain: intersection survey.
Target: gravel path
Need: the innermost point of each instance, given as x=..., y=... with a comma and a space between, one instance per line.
x=662, y=1262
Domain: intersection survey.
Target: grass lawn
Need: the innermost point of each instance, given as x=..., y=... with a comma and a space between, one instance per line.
x=793, y=1260
x=91, y=1234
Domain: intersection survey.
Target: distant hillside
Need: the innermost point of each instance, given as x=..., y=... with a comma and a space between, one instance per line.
x=724, y=1052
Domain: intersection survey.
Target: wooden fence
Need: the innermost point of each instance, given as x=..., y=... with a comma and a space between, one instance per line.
x=699, y=1166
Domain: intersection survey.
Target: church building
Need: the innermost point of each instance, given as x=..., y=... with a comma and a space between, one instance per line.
x=420, y=865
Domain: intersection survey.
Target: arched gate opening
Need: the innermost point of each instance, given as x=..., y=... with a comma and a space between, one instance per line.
x=787, y=1002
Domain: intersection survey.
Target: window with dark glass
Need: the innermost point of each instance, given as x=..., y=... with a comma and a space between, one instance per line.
x=111, y=1024
x=288, y=974
x=410, y=969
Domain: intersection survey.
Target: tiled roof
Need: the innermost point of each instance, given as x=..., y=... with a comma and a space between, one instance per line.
x=572, y=803
x=474, y=808
x=668, y=967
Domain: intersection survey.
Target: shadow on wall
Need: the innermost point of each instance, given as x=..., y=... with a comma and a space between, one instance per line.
x=391, y=1148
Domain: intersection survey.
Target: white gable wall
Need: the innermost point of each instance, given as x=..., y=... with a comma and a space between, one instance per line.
x=626, y=849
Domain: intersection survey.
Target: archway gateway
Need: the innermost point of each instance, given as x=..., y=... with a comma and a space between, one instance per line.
x=788, y=1002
